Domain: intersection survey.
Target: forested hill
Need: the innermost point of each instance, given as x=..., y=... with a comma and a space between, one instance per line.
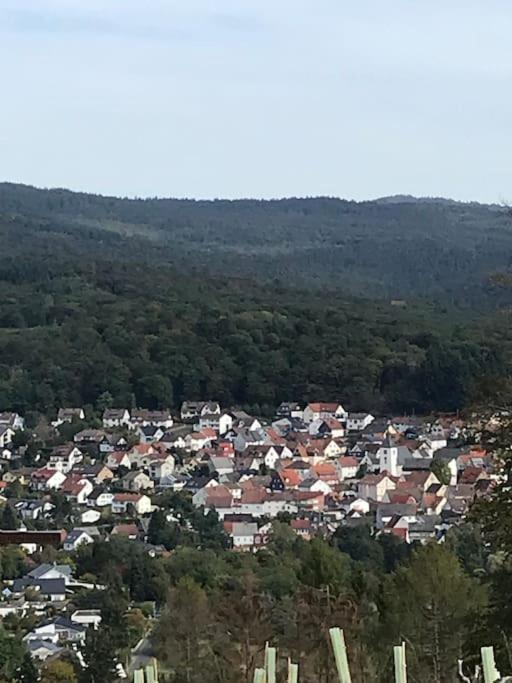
x=395, y=247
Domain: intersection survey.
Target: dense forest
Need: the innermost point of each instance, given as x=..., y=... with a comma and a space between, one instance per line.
x=85, y=313
x=89, y=310
x=396, y=248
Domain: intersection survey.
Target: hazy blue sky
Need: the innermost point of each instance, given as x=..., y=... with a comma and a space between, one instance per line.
x=198, y=98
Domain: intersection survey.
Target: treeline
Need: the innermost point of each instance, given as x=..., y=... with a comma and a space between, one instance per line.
x=76, y=326
x=399, y=248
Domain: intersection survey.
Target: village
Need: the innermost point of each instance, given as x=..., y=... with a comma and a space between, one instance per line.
x=314, y=467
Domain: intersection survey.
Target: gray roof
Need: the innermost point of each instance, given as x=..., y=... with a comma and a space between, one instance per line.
x=42, y=569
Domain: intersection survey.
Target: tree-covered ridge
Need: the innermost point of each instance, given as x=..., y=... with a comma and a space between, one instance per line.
x=394, y=248
x=75, y=323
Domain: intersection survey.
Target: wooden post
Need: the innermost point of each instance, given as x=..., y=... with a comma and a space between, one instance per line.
x=491, y=673
x=340, y=655
x=400, y=663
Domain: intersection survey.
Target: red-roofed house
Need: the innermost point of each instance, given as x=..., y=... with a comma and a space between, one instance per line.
x=323, y=411
x=76, y=488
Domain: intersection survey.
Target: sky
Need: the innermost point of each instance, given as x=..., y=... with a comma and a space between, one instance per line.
x=258, y=98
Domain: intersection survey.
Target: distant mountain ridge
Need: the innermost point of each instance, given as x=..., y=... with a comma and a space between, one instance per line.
x=393, y=247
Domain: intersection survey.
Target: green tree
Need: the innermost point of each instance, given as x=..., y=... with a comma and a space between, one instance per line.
x=99, y=653
x=9, y=518
x=58, y=671
x=28, y=672
x=441, y=470
x=432, y=605
x=183, y=632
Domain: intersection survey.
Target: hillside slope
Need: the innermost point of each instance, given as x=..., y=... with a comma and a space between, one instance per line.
x=397, y=247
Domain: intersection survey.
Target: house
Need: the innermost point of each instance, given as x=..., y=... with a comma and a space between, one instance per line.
x=97, y=473
x=152, y=418
x=33, y=509
x=51, y=590
x=196, y=441
x=113, y=442
x=6, y=435
x=137, y=481
x=289, y=409
x=51, y=571
x=318, y=411
x=90, y=516
x=315, y=485
x=191, y=410
x=118, y=459
x=244, y=535
x=303, y=528
x=243, y=438
x=210, y=408
x=45, y=479
x=221, y=465
x=324, y=427
x=161, y=469
x=99, y=497
x=375, y=486
x=43, y=649
x=88, y=437
x=116, y=417
x=65, y=457
x=220, y=422
x=140, y=503
x=12, y=420
x=387, y=511
x=174, y=439
x=87, y=617
x=56, y=630
x=129, y=531
x=76, y=538
x=356, y=422
x=76, y=488
x=150, y=433
x=347, y=467
x=68, y=415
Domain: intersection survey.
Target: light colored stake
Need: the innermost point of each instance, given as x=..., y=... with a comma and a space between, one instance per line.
x=400, y=663
x=293, y=672
x=340, y=654
x=270, y=664
x=150, y=674
x=259, y=676
x=138, y=676
x=491, y=673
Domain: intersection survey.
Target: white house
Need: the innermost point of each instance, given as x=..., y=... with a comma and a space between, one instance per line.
x=87, y=617
x=76, y=538
x=12, y=420
x=68, y=415
x=64, y=458
x=90, y=516
x=140, y=502
x=44, y=479
x=220, y=422
x=356, y=422
x=116, y=417
x=318, y=411
x=347, y=467
x=6, y=434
